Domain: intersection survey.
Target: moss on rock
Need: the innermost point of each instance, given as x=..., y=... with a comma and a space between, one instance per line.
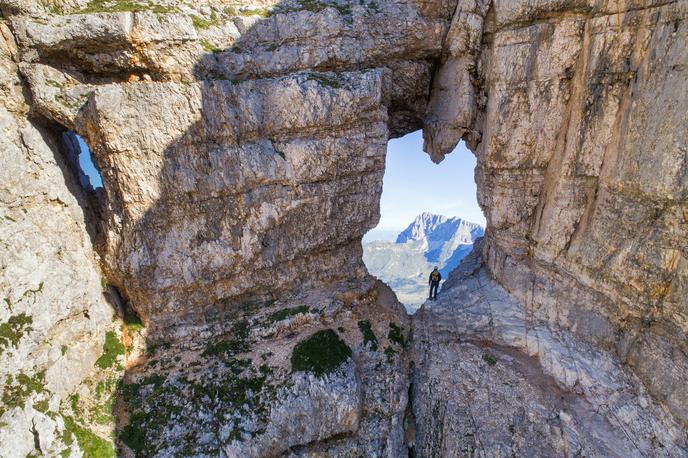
x=321, y=353
x=112, y=348
x=14, y=329
x=368, y=334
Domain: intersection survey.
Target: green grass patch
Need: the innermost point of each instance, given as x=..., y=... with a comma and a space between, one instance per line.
x=313, y=6
x=239, y=343
x=321, y=353
x=316, y=6
x=112, y=348
x=132, y=321
x=54, y=83
x=285, y=313
x=14, y=329
x=389, y=353
x=373, y=6
x=133, y=434
x=326, y=80
x=262, y=12
x=368, y=334
x=209, y=47
x=396, y=334
x=91, y=444
x=41, y=406
x=489, y=359
x=18, y=388
x=52, y=7
x=200, y=23
x=123, y=6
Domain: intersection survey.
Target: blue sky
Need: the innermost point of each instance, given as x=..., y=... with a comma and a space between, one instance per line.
x=414, y=184
x=86, y=164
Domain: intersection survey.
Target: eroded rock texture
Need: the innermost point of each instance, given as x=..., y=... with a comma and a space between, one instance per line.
x=497, y=380
x=576, y=112
x=54, y=315
x=246, y=171
x=242, y=150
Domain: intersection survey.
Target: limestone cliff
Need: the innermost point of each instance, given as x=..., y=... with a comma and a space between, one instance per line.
x=580, y=113
x=242, y=150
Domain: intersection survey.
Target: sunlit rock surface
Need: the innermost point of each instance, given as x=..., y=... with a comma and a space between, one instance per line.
x=498, y=381
x=242, y=151
x=581, y=172
x=54, y=315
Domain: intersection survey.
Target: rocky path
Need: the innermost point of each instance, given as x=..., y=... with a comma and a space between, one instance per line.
x=492, y=381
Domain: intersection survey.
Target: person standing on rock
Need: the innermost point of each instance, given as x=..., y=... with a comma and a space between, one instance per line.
x=434, y=282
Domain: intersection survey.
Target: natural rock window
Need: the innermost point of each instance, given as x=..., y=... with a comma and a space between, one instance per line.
x=429, y=216
x=80, y=160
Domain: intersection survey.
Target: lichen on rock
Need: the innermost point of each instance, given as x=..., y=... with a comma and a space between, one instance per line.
x=242, y=149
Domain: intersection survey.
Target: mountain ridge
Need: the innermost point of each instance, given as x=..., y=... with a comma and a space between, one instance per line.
x=430, y=240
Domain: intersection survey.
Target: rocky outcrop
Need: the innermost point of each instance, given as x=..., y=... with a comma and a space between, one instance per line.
x=582, y=172
x=236, y=145
x=497, y=380
x=245, y=389
x=54, y=315
x=242, y=150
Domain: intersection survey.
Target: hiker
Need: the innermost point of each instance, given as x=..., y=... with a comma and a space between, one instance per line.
x=434, y=282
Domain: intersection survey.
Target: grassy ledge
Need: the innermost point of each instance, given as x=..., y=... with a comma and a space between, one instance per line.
x=321, y=353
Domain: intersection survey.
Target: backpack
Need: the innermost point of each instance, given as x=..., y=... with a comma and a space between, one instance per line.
x=435, y=275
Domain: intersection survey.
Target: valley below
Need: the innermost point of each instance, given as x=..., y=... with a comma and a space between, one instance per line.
x=429, y=241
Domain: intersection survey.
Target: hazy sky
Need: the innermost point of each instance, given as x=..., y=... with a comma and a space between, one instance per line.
x=414, y=184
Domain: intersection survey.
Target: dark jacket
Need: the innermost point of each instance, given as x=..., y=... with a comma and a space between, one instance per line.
x=439, y=276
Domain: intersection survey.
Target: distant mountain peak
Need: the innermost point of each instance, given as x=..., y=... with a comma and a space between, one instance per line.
x=432, y=227
x=430, y=240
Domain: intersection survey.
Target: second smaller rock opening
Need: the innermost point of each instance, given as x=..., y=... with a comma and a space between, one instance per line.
x=80, y=160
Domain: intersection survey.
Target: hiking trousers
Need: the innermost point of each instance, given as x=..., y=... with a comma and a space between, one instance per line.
x=433, y=286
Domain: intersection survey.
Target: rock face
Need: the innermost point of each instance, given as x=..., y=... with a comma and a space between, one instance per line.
x=582, y=180
x=496, y=380
x=211, y=161
x=54, y=314
x=242, y=151
x=244, y=391
x=431, y=240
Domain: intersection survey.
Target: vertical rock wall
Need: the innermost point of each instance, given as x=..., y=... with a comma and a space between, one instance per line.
x=53, y=313
x=243, y=155
x=242, y=152
x=576, y=113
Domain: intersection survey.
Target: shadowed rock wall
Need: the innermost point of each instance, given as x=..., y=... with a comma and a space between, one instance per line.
x=242, y=172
